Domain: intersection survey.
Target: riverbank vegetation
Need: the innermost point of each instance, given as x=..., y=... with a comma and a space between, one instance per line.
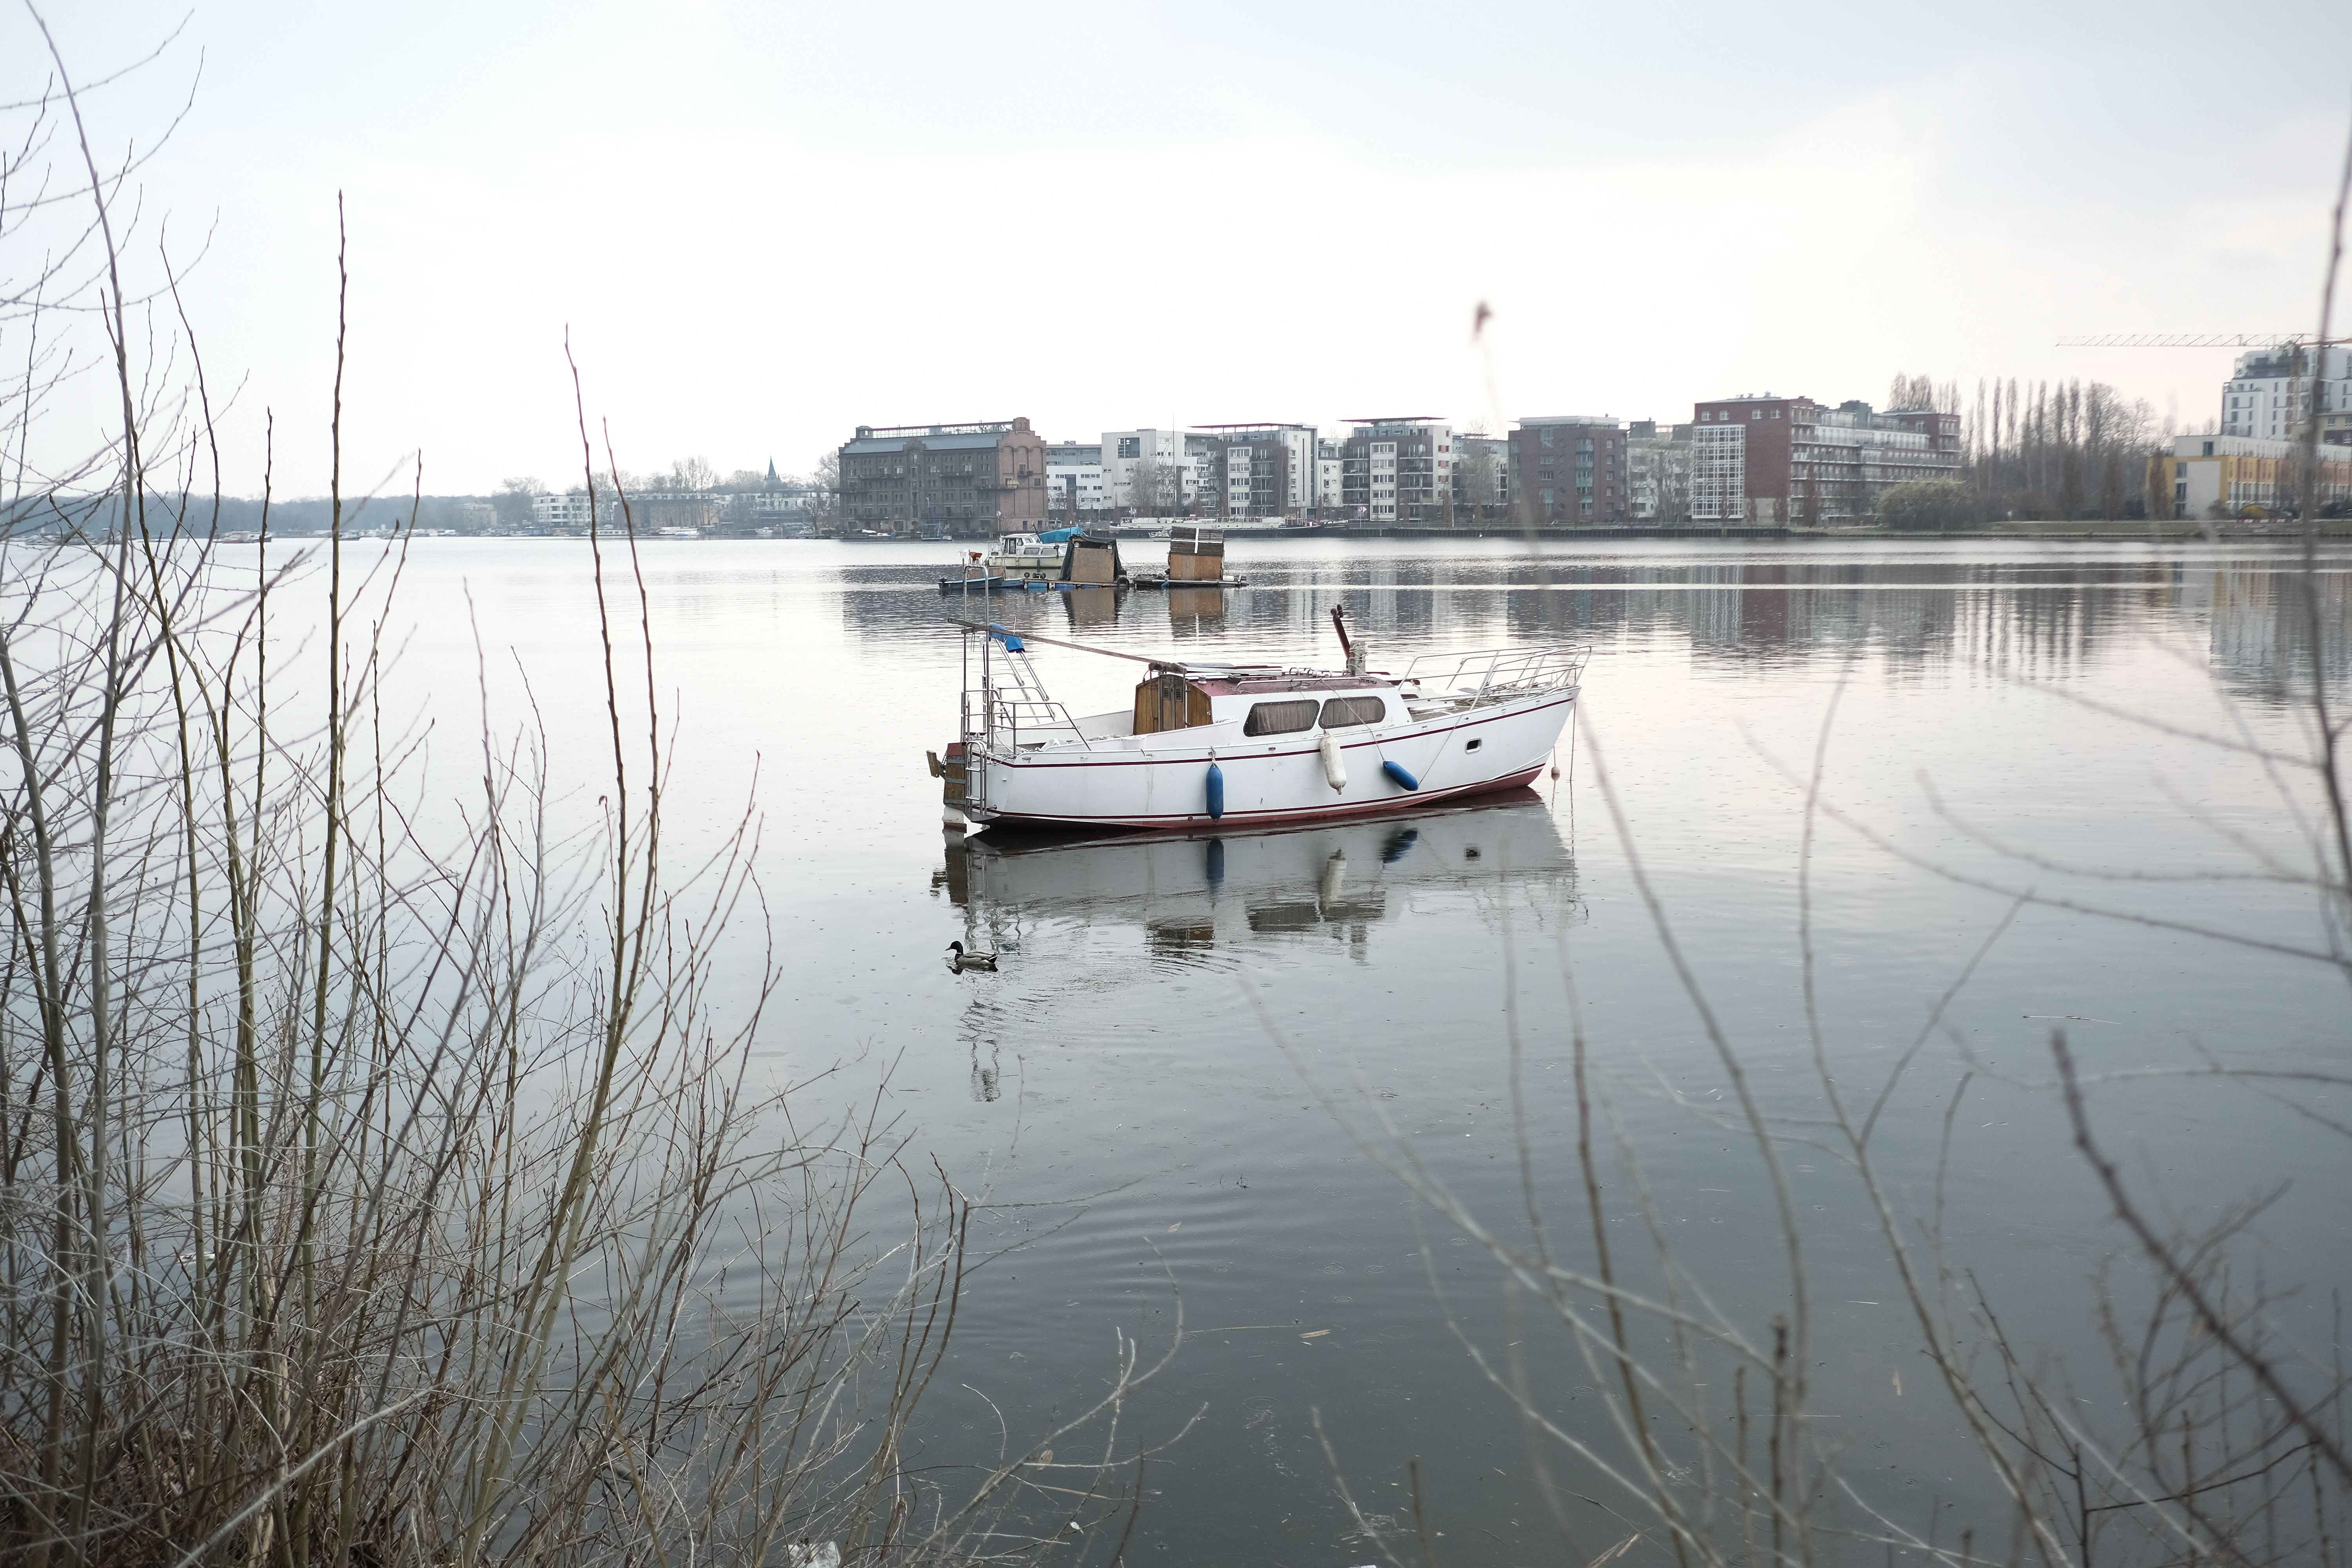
x=385, y=1172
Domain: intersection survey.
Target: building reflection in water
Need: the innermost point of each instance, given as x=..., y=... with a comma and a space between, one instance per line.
x=2040, y=617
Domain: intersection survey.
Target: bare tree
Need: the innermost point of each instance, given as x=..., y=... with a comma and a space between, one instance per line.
x=1911, y=391
x=825, y=481
x=1478, y=479
x=513, y=499
x=362, y=1180
x=1151, y=484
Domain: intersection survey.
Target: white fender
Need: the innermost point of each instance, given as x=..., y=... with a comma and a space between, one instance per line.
x=1335, y=766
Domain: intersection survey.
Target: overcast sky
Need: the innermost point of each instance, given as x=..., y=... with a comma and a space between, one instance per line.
x=766, y=224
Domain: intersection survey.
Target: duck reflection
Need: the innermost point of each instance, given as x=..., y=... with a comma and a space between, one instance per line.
x=1193, y=894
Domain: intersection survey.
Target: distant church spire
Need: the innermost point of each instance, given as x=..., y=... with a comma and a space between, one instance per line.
x=772, y=470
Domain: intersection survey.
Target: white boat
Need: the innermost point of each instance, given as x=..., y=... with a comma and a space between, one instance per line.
x=1025, y=558
x=1251, y=744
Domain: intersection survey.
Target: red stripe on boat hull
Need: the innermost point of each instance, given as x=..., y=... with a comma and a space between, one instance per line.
x=1406, y=802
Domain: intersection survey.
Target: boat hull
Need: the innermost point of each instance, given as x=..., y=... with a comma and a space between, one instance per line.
x=1268, y=782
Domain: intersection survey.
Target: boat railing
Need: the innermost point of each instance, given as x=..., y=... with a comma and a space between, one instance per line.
x=1487, y=675
x=1004, y=721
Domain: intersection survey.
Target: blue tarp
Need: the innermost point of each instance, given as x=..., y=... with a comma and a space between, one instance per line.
x=1060, y=536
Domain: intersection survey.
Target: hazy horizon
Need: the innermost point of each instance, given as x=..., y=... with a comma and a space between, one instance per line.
x=765, y=228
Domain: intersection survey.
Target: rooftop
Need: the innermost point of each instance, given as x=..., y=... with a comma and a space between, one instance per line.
x=965, y=440
x=970, y=427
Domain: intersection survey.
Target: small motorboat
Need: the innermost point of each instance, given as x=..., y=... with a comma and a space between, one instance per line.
x=1247, y=744
x=1027, y=557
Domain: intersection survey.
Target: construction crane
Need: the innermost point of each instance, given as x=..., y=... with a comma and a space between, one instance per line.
x=2198, y=340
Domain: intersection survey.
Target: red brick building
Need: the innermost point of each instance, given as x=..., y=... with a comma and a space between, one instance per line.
x=1771, y=461
x=952, y=481
x=1569, y=469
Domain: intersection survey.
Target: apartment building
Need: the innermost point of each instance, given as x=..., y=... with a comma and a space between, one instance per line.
x=1570, y=469
x=1261, y=471
x=944, y=480
x=1172, y=462
x=1770, y=461
x=1398, y=469
x=1074, y=483
x=1331, y=461
x=2267, y=390
x=564, y=514
x=2227, y=474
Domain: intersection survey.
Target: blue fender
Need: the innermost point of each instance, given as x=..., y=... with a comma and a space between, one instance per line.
x=1217, y=791
x=1396, y=771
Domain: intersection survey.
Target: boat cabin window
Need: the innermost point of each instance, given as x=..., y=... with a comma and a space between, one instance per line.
x=1280, y=718
x=1342, y=712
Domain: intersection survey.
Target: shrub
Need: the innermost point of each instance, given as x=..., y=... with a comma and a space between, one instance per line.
x=1923, y=504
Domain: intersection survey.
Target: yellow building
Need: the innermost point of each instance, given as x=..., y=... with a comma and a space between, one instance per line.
x=2241, y=471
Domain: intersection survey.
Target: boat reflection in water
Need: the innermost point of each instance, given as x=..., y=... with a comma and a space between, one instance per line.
x=1074, y=916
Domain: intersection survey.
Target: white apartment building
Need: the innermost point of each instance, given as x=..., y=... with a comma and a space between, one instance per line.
x=567, y=510
x=1167, y=452
x=1331, y=461
x=1399, y=470
x=2265, y=394
x=1266, y=470
x=1075, y=480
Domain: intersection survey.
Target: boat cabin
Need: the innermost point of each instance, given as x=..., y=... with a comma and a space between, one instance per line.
x=1263, y=703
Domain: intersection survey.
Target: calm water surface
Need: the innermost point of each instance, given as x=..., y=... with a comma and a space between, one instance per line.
x=1151, y=1064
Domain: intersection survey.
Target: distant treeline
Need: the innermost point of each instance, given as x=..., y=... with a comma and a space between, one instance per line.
x=235, y=514
x=2069, y=449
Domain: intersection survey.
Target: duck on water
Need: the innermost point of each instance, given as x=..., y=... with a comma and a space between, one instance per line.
x=1251, y=744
